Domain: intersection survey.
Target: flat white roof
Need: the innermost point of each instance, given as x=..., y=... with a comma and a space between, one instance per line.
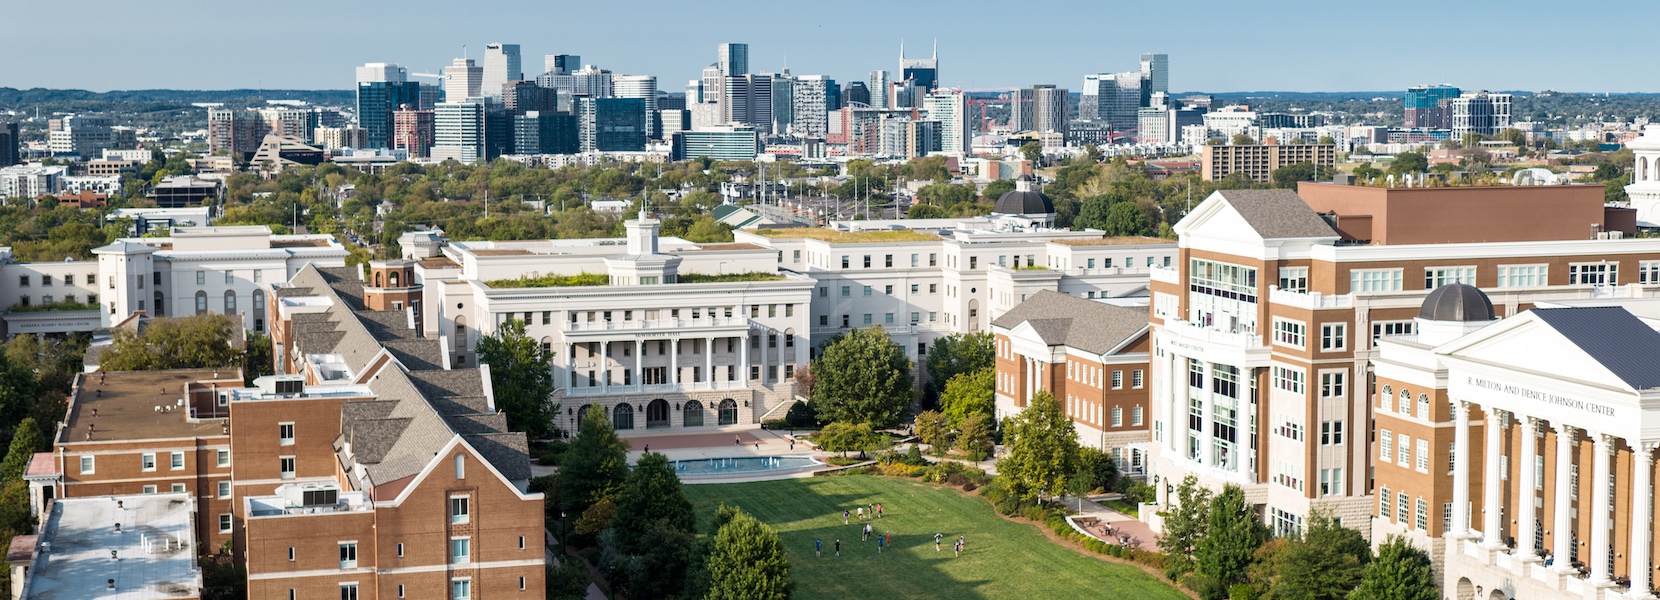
x=155, y=549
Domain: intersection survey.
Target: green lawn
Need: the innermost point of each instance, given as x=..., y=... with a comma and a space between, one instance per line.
x=1004, y=559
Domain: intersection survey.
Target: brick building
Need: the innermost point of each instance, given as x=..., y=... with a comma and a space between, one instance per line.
x=1260, y=160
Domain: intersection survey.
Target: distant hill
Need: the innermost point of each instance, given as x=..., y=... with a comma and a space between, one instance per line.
x=12, y=98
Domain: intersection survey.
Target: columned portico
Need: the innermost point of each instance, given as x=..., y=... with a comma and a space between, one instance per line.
x=1566, y=437
x=1461, y=470
x=1642, y=511
x=1526, y=523
x=1601, y=503
x=1492, y=528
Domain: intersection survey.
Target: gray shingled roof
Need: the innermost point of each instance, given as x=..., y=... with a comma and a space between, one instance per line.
x=1278, y=214
x=1087, y=325
x=1614, y=337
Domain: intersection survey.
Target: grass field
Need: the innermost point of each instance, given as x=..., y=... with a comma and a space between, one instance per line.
x=1004, y=559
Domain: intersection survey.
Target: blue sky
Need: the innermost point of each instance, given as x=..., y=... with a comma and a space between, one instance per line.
x=1213, y=45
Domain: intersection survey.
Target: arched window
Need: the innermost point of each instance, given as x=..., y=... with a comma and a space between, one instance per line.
x=377, y=279
x=201, y=303
x=547, y=346
x=259, y=303
x=392, y=278
x=230, y=302
x=1642, y=168
x=728, y=412
x=622, y=417
x=460, y=333
x=1386, y=399
x=161, y=304
x=460, y=466
x=1423, y=406
x=691, y=415
x=1406, y=402
x=657, y=414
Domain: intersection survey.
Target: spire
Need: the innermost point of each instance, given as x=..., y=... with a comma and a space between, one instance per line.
x=936, y=49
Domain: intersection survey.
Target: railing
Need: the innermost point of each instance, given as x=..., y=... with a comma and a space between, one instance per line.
x=1310, y=300
x=665, y=388
x=642, y=324
x=1169, y=275
x=1190, y=330
x=1078, y=272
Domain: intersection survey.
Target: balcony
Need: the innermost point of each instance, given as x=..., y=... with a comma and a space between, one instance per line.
x=1309, y=300
x=1112, y=271
x=1170, y=275
x=657, y=325
x=662, y=388
x=1196, y=332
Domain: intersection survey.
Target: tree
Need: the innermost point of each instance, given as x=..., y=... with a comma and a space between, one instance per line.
x=1033, y=151
x=971, y=393
x=1185, y=524
x=926, y=211
x=1325, y=563
x=1326, y=139
x=1409, y=162
x=974, y=437
x=1367, y=171
x=595, y=466
x=1094, y=211
x=256, y=358
x=1233, y=532
x=1286, y=177
x=569, y=580
x=748, y=562
x=933, y=429
x=1097, y=468
x=958, y=353
x=707, y=230
x=1240, y=139
x=862, y=377
x=650, y=493
x=1514, y=136
x=996, y=189
x=25, y=443
x=520, y=378
x=1043, y=448
x=1400, y=572
x=194, y=342
x=18, y=387
x=846, y=437
x=1125, y=219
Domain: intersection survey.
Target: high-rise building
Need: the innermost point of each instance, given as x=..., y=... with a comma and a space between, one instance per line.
x=924, y=71
x=335, y=138
x=459, y=130
x=381, y=89
x=501, y=65
x=783, y=101
x=643, y=87
x=1426, y=105
x=463, y=80
x=413, y=130
x=1020, y=110
x=1114, y=98
x=538, y=132
x=295, y=123
x=1049, y=109
x=519, y=97
x=879, y=89
x=237, y=133
x=949, y=107
x=87, y=135
x=611, y=124
x=589, y=81
x=732, y=59
x=561, y=64
x=674, y=119
x=855, y=92
x=904, y=94
x=1155, y=69
x=1478, y=112
x=747, y=99
x=811, y=105
x=731, y=143
x=9, y=144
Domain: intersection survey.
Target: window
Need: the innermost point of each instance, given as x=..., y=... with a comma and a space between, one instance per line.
x=1136, y=379
x=348, y=555
x=148, y=461
x=1384, y=328
x=230, y=277
x=1286, y=524
x=1405, y=405
x=1333, y=383
x=1435, y=277
x=225, y=522
x=846, y=291
x=87, y=465
x=1375, y=280
x=1423, y=406
x=1648, y=272
x=1384, y=498
x=461, y=550
x=458, y=509
x=1603, y=273
x=1290, y=333
x=201, y=278
x=1117, y=416
x=1513, y=276
x=867, y=261
x=1446, y=516
x=176, y=488
x=1334, y=336
x=201, y=302
x=1404, y=506
x=286, y=466
x=1290, y=380
x=1117, y=380
x=348, y=591
x=1423, y=456
x=1386, y=447
x=1331, y=433
x=1422, y=521
x=176, y=461
x=887, y=261
x=1291, y=427
x=461, y=589
x=23, y=281
x=844, y=261
x=1294, y=279
x=285, y=434
x=933, y=288
x=400, y=549
x=867, y=319
x=1135, y=416
x=460, y=466
x=1403, y=451
x=867, y=290
x=224, y=489
x=149, y=489
x=1331, y=481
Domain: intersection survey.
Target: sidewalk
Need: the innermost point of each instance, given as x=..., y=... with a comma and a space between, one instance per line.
x=1120, y=522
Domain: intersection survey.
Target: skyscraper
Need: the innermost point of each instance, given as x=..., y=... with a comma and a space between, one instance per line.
x=879, y=89
x=1478, y=112
x=1020, y=110
x=643, y=87
x=924, y=71
x=747, y=99
x=381, y=89
x=1049, y=109
x=783, y=101
x=9, y=144
x=459, y=130
x=611, y=124
x=1426, y=105
x=732, y=59
x=463, y=80
x=855, y=92
x=1155, y=69
x=519, y=97
x=950, y=108
x=413, y=130
x=811, y=105
x=501, y=65
x=237, y=133
x=537, y=132
x=561, y=64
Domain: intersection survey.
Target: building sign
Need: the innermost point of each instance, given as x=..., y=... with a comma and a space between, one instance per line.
x=1540, y=396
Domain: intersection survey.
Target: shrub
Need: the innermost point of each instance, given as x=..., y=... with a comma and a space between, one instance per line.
x=1242, y=591
x=801, y=415
x=842, y=461
x=774, y=425
x=549, y=459
x=594, y=520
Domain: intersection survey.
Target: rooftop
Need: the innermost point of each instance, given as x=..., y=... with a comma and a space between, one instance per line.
x=1063, y=320
x=155, y=549
x=848, y=237
x=1124, y=240
x=578, y=280
x=139, y=405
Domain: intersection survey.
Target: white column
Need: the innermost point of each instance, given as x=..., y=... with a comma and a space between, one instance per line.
x=1642, y=514
x=743, y=359
x=604, y=366
x=1461, y=469
x=766, y=355
x=709, y=359
x=639, y=365
x=570, y=366
x=1566, y=438
x=1525, y=522
x=1492, y=527
x=1175, y=396
x=674, y=361
x=1207, y=403
x=1600, y=502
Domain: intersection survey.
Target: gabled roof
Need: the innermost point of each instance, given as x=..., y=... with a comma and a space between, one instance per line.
x=1277, y=214
x=1063, y=320
x=1612, y=336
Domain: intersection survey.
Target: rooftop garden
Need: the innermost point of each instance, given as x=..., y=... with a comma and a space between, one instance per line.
x=577, y=280
x=1122, y=240
x=1033, y=268
x=52, y=307
x=729, y=277
x=847, y=237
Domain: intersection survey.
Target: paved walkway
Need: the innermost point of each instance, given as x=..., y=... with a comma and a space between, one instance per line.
x=1120, y=522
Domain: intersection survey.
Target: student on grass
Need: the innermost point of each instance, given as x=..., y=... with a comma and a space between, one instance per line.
x=878, y=544
x=845, y=515
x=818, y=549
x=937, y=538
x=838, y=546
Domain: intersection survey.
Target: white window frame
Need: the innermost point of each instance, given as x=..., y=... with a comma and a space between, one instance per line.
x=1334, y=337
x=285, y=433
x=1594, y=273
x=147, y=462
x=1423, y=455
x=1298, y=276
x=1435, y=277
x=1386, y=445
x=293, y=467
x=463, y=553
x=89, y=465
x=224, y=489
x=175, y=461
x=223, y=457
x=1334, y=383
x=1648, y=272
x=346, y=563
x=465, y=514
x=1290, y=333
x=1535, y=275
x=226, y=522
x=1375, y=280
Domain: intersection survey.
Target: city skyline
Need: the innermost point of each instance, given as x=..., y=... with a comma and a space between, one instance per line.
x=971, y=56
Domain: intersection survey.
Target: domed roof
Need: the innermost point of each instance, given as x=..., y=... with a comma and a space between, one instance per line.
x=1023, y=200
x=1457, y=302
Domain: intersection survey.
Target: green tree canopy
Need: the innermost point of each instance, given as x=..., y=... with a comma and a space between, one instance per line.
x=1185, y=523
x=1325, y=563
x=26, y=442
x=595, y=466
x=971, y=393
x=862, y=377
x=974, y=436
x=844, y=437
x=1043, y=448
x=651, y=493
x=1399, y=572
x=1286, y=177
x=1409, y=162
x=1094, y=210
x=956, y=354
x=748, y=562
x=520, y=378
x=1033, y=151
x=194, y=342
x=1125, y=218
x=1233, y=533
